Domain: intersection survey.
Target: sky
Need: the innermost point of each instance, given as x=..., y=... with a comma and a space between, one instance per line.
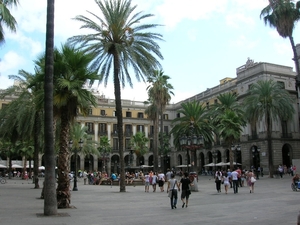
x=204, y=41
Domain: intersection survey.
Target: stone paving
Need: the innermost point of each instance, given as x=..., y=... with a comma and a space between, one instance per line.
x=272, y=203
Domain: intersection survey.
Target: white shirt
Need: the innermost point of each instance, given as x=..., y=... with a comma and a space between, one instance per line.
x=234, y=175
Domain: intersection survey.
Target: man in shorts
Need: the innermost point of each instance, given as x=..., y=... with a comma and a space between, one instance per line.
x=185, y=189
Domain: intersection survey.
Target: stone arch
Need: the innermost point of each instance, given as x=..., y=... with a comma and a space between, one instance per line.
x=89, y=162
x=72, y=163
x=179, y=159
x=150, y=160
x=115, y=165
x=286, y=154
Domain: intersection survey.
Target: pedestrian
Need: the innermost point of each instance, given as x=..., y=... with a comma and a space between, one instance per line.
x=84, y=177
x=168, y=174
x=173, y=188
x=235, y=181
x=154, y=181
x=161, y=181
x=147, y=182
x=218, y=179
x=225, y=181
x=185, y=189
x=229, y=177
x=251, y=180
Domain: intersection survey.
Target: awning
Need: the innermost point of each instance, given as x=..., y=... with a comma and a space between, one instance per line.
x=2, y=166
x=16, y=166
x=180, y=166
x=210, y=164
x=221, y=164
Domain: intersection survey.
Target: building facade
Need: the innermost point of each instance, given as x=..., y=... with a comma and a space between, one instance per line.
x=101, y=121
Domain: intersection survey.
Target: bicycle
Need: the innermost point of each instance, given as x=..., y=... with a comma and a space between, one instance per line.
x=2, y=180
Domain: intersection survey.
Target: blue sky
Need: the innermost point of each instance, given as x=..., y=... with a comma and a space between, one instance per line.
x=204, y=41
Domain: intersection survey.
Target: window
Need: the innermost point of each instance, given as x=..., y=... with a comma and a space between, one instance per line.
x=151, y=130
x=128, y=130
x=115, y=144
x=166, y=116
x=128, y=114
x=4, y=105
x=281, y=84
x=90, y=128
x=102, y=129
x=151, y=145
x=166, y=129
x=178, y=115
x=140, y=115
x=216, y=101
x=127, y=144
x=90, y=111
x=140, y=128
x=114, y=113
x=102, y=113
x=115, y=130
x=207, y=105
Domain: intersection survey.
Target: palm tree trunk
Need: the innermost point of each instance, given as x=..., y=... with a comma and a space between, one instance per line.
x=120, y=120
x=50, y=202
x=36, y=150
x=296, y=62
x=155, y=143
x=270, y=150
x=63, y=187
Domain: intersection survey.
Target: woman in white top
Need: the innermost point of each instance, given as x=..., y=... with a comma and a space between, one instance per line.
x=173, y=186
x=225, y=180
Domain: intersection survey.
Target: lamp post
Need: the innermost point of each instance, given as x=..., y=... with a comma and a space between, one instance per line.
x=235, y=149
x=215, y=156
x=191, y=143
x=255, y=155
x=75, y=175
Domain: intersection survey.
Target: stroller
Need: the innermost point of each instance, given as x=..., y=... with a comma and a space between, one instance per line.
x=295, y=186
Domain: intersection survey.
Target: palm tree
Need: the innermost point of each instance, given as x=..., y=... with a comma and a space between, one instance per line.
x=268, y=101
x=195, y=120
x=104, y=149
x=71, y=74
x=152, y=112
x=227, y=112
x=120, y=41
x=159, y=92
x=229, y=127
x=138, y=143
x=283, y=15
x=6, y=18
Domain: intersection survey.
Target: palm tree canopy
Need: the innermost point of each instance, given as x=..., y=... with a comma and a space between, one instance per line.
x=197, y=114
x=267, y=97
x=159, y=89
x=138, y=143
x=71, y=74
x=120, y=33
x=6, y=18
x=282, y=15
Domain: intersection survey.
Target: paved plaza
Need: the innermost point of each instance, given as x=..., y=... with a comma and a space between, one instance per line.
x=272, y=203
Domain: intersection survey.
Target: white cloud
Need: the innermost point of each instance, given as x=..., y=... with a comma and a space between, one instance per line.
x=239, y=20
x=174, y=11
x=10, y=61
x=243, y=42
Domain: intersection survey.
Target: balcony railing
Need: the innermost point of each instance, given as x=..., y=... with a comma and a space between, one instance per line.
x=128, y=133
x=253, y=137
x=286, y=135
x=102, y=133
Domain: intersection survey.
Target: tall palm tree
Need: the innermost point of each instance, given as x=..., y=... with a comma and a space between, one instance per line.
x=228, y=112
x=71, y=74
x=283, y=15
x=7, y=18
x=120, y=41
x=268, y=101
x=195, y=120
x=138, y=143
x=229, y=127
x=104, y=149
x=152, y=113
x=159, y=92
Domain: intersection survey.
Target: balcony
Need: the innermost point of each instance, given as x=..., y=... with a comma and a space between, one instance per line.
x=128, y=133
x=253, y=137
x=90, y=132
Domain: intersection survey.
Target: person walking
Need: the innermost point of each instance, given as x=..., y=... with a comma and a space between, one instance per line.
x=154, y=181
x=225, y=180
x=235, y=181
x=147, y=182
x=251, y=180
x=185, y=189
x=173, y=187
x=218, y=179
x=161, y=181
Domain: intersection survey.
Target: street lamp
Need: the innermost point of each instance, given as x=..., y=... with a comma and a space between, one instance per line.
x=191, y=143
x=215, y=156
x=75, y=174
x=255, y=155
x=235, y=149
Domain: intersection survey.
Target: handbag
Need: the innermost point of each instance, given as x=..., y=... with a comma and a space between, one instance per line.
x=252, y=180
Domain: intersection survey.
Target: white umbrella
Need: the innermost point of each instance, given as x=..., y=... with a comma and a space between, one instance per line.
x=2, y=166
x=183, y=166
x=28, y=166
x=16, y=166
x=221, y=164
x=41, y=168
x=210, y=164
x=233, y=163
x=146, y=166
